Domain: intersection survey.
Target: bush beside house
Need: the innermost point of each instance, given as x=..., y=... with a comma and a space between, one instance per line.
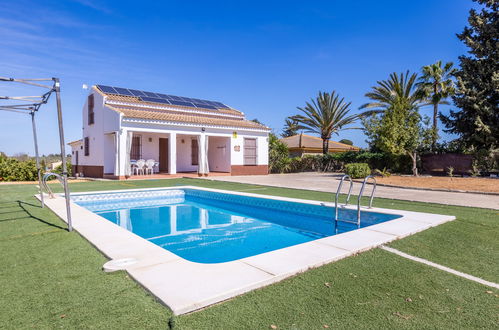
x=14, y=170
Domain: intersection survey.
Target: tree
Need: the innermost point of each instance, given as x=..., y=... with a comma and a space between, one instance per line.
x=346, y=141
x=399, y=89
x=325, y=115
x=398, y=131
x=477, y=94
x=395, y=123
x=436, y=84
x=291, y=127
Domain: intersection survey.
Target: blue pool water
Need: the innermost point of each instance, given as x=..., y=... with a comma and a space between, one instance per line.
x=211, y=227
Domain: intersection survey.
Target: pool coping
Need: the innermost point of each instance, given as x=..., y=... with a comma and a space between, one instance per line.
x=186, y=286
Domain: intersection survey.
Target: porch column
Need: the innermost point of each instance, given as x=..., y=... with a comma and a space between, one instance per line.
x=172, y=153
x=121, y=152
x=202, y=154
x=117, y=153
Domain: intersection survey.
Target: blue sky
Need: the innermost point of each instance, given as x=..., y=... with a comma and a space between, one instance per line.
x=261, y=57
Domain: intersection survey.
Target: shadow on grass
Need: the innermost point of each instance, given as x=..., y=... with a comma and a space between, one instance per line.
x=23, y=204
x=9, y=212
x=16, y=218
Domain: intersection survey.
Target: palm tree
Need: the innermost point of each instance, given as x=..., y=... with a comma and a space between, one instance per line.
x=325, y=115
x=398, y=90
x=290, y=127
x=436, y=84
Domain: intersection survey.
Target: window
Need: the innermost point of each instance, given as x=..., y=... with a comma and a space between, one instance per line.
x=194, y=152
x=91, y=109
x=136, y=152
x=249, y=151
x=87, y=147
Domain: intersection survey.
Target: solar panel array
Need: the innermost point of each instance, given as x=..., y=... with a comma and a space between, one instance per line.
x=163, y=98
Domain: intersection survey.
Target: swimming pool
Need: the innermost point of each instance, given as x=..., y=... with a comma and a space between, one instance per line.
x=213, y=227
x=185, y=286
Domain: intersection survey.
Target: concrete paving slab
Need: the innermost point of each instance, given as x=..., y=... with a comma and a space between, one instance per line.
x=357, y=240
x=192, y=285
x=400, y=227
x=296, y=259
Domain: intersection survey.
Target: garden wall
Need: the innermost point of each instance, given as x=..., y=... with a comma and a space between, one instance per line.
x=438, y=164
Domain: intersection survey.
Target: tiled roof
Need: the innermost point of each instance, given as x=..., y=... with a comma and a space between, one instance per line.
x=140, y=113
x=303, y=141
x=76, y=141
x=133, y=107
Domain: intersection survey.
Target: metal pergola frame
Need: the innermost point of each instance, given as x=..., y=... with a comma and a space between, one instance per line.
x=30, y=105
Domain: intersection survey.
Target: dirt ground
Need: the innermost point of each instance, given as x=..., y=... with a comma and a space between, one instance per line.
x=466, y=184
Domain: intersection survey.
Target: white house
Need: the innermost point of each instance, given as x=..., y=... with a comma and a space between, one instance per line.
x=181, y=134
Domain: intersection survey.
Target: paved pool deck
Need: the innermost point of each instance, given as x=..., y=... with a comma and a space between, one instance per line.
x=328, y=182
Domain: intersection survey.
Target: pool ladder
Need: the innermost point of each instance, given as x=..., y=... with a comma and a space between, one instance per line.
x=366, y=179
x=46, y=187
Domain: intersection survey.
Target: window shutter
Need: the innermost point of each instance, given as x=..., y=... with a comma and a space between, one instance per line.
x=91, y=109
x=250, y=151
x=87, y=147
x=136, y=152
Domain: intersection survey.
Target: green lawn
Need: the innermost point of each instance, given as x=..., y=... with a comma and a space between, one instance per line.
x=51, y=278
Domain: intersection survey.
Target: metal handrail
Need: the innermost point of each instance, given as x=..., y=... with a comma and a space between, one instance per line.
x=361, y=192
x=46, y=186
x=338, y=193
x=366, y=179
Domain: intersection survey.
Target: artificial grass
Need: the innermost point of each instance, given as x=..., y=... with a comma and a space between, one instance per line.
x=374, y=290
x=50, y=278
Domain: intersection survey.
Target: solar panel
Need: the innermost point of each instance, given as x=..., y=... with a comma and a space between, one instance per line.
x=136, y=92
x=198, y=101
x=204, y=106
x=107, y=89
x=163, y=98
x=176, y=98
x=187, y=104
x=219, y=105
x=123, y=91
x=154, y=99
x=150, y=94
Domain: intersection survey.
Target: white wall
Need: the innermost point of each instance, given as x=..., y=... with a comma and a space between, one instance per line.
x=219, y=154
x=76, y=147
x=184, y=161
x=109, y=155
x=190, y=131
x=237, y=157
x=105, y=121
x=150, y=149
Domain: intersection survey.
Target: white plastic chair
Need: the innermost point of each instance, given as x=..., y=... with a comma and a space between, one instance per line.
x=139, y=167
x=150, y=166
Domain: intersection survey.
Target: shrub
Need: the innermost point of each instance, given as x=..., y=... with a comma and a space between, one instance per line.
x=69, y=168
x=14, y=170
x=279, y=161
x=357, y=170
x=384, y=172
